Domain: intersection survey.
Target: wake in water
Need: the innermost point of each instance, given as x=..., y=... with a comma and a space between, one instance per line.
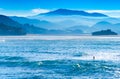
x=100, y=56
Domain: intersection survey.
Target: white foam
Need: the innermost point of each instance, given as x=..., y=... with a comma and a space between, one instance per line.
x=2, y=40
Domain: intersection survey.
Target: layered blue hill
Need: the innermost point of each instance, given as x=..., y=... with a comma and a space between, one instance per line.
x=72, y=25
x=10, y=27
x=103, y=25
x=39, y=23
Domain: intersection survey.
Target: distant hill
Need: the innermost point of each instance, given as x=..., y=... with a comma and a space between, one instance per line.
x=72, y=12
x=31, y=29
x=24, y=20
x=8, y=21
x=10, y=27
x=85, y=29
x=103, y=25
x=104, y=32
x=10, y=30
x=39, y=23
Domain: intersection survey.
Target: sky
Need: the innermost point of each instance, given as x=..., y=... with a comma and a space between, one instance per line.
x=34, y=7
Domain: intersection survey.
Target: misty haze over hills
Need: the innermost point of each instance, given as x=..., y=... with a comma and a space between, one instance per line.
x=61, y=21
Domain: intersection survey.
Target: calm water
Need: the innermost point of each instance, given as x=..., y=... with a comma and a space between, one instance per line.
x=52, y=57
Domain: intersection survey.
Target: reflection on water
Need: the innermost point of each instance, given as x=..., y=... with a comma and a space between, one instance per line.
x=59, y=59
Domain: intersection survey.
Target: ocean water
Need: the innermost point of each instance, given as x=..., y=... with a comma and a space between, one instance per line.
x=59, y=57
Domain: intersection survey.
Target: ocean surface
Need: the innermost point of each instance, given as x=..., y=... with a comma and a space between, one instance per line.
x=59, y=57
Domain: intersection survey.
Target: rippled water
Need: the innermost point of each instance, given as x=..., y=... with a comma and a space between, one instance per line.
x=61, y=58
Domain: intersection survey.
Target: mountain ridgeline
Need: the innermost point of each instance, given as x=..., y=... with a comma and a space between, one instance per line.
x=59, y=22
x=73, y=12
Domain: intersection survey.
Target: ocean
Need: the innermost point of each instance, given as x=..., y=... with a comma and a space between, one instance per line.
x=59, y=57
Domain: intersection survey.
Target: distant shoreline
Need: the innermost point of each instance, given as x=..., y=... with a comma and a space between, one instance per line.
x=79, y=35
x=61, y=35
x=56, y=37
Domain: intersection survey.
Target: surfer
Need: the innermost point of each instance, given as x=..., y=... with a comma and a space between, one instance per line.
x=93, y=57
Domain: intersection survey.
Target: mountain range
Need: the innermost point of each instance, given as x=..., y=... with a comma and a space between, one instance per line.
x=64, y=18
x=61, y=21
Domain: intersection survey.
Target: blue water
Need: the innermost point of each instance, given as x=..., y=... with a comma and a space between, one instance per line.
x=61, y=58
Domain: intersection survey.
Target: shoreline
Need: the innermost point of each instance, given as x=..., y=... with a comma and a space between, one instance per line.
x=61, y=35
x=56, y=37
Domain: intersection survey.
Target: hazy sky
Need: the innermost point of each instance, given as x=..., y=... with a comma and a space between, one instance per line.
x=33, y=7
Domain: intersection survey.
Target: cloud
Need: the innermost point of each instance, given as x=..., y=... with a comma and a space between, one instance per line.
x=23, y=13
x=39, y=10
x=112, y=13
x=16, y=13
